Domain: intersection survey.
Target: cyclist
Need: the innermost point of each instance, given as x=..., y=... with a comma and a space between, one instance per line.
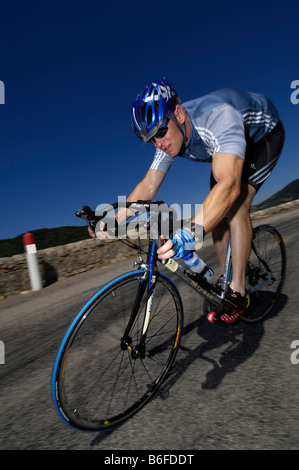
x=241, y=135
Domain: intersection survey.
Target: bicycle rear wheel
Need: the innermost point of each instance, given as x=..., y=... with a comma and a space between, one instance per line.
x=265, y=272
x=97, y=383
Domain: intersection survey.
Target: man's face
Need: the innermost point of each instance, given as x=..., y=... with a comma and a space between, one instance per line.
x=172, y=141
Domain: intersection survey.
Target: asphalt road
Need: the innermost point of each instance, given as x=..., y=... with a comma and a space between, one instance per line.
x=234, y=389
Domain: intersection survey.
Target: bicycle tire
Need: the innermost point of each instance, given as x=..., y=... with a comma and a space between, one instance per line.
x=97, y=385
x=267, y=259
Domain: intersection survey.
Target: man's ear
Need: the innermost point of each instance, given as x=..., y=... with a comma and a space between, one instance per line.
x=180, y=114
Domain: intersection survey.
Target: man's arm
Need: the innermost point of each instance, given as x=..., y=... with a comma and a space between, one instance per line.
x=227, y=171
x=145, y=190
x=148, y=187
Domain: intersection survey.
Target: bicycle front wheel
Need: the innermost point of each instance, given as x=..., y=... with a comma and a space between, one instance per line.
x=265, y=272
x=97, y=382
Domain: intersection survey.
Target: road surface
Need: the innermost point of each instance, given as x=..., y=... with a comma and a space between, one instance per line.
x=228, y=390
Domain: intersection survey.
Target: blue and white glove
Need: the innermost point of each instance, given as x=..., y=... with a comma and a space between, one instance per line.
x=182, y=243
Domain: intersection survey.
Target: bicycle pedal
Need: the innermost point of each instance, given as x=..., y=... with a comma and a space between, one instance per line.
x=211, y=318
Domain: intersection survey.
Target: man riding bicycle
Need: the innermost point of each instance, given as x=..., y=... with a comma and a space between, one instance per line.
x=241, y=135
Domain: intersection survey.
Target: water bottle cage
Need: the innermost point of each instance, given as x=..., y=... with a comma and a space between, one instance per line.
x=204, y=271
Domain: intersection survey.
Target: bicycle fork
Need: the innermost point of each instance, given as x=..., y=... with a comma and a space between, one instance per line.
x=148, y=283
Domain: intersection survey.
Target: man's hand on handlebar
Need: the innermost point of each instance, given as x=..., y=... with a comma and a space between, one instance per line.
x=98, y=231
x=181, y=245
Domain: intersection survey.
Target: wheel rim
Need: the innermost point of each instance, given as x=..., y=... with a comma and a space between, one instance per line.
x=101, y=380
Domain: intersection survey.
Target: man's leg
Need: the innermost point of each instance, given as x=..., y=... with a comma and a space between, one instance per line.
x=234, y=302
x=220, y=236
x=239, y=222
x=260, y=160
x=241, y=236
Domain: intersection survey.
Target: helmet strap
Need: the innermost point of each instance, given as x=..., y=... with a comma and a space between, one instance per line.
x=182, y=128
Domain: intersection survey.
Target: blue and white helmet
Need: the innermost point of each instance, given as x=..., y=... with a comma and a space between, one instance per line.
x=155, y=103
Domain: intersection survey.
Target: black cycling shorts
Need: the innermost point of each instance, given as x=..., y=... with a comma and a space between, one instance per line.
x=261, y=157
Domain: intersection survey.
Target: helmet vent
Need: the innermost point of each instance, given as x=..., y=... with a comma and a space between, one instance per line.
x=156, y=102
x=142, y=111
x=149, y=115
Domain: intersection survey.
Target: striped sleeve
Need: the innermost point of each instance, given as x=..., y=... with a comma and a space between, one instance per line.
x=162, y=161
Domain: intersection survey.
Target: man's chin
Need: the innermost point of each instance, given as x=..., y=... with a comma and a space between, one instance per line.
x=171, y=152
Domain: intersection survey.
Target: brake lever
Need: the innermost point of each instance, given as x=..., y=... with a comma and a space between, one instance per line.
x=88, y=215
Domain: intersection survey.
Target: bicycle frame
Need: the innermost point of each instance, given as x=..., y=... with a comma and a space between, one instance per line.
x=214, y=293
x=195, y=281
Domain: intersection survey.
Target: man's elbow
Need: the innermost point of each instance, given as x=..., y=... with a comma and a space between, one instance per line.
x=231, y=190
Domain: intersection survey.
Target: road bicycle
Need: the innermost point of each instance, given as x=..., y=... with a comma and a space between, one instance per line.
x=121, y=345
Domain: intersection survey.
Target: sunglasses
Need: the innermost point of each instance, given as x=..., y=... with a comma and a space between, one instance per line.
x=161, y=132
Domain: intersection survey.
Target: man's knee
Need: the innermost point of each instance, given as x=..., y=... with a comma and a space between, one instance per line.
x=242, y=206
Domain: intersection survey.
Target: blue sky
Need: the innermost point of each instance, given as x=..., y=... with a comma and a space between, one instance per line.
x=72, y=69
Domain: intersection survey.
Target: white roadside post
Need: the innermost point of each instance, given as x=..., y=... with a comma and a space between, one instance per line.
x=32, y=261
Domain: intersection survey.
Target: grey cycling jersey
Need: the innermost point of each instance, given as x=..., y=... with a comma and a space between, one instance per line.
x=222, y=122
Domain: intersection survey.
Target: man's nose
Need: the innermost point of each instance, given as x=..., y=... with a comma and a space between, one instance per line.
x=159, y=142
